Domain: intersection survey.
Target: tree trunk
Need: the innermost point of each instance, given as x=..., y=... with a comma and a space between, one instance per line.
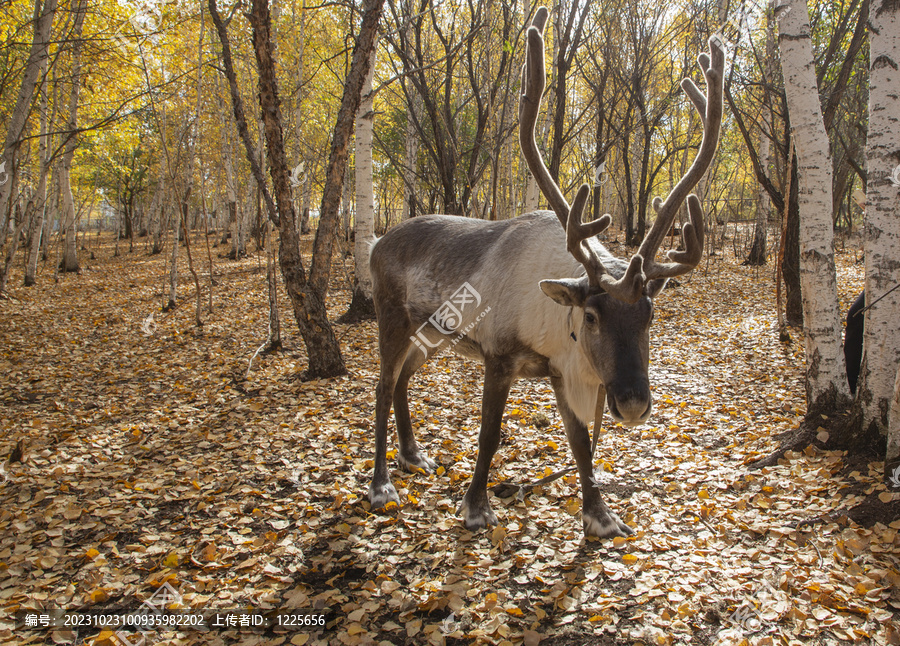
x=173, y=269
x=877, y=408
x=307, y=205
x=40, y=197
x=185, y=204
x=67, y=200
x=346, y=210
x=411, y=154
x=757, y=255
x=37, y=55
x=240, y=119
x=14, y=244
x=303, y=186
x=158, y=225
x=237, y=247
x=45, y=236
x=826, y=377
x=308, y=297
x=67, y=216
x=37, y=232
x=892, y=455
x=190, y=258
x=790, y=266
x=274, y=342
x=129, y=224
x=362, y=307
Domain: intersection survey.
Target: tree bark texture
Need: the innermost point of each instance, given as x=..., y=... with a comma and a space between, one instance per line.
x=881, y=355
x=361, y=305
x=37, y=55
x=826, y=377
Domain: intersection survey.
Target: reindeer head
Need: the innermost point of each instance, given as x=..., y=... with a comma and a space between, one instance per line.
x=615, y=296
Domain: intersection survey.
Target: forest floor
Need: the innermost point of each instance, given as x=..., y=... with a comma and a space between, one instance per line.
x=153, y=461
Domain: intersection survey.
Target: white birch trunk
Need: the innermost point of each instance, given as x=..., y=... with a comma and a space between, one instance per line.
x=410, y=161
x=365, y=188
x=37, y=228
x=881, y=358
x=67, y=200
x=303, y=192
x=532, y=193
x=825, y=371
x=892, y=456
x=43, y=20
x=346, y=213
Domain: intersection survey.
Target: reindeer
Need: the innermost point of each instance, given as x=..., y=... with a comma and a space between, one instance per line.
x=529, y=298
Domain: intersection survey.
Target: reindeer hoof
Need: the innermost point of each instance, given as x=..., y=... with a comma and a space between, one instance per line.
x=418, y=461
x=605, y=524
x=476, y=517
x=381, y=495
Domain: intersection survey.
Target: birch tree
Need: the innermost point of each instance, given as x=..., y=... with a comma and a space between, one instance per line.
x=67, y=215
x=40, y=198
x=411, y=155
x=37, y=56
x=308, y=294
x=757, y=255
x=826, y=381
x=361, y=305
x=879, y=384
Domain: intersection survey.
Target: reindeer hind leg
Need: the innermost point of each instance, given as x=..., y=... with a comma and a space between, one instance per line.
x=411, y=457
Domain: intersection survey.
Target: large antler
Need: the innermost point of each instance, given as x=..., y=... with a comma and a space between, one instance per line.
x=643, y=266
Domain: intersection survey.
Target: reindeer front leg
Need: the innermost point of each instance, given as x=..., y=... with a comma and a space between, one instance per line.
x=598, y=519
x=499, y=373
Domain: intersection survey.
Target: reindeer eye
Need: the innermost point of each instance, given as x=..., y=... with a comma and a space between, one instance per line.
x=589, y=318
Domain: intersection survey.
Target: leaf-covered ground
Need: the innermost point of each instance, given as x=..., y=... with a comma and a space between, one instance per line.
x=151, y=459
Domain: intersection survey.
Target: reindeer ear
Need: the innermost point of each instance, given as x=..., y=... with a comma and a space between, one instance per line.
x=568, y=292
x=654, y=287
